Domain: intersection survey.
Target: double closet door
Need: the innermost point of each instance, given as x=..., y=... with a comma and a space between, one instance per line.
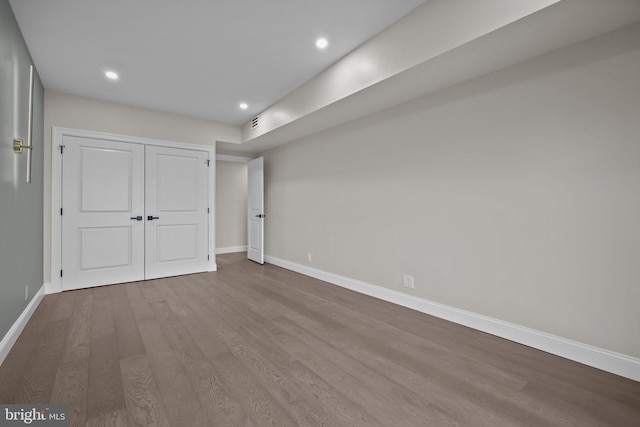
x=131, y=212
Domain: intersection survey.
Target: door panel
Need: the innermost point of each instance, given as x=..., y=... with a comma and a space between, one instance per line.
x=255, y=241
x=104, y=247
x=255, y=210
x=103, y=188
x=176, y=200
x=177, y=181
x=98, y=167
x=177, y=242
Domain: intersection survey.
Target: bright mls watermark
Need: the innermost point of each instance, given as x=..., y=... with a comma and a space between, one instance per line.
x=34, y=415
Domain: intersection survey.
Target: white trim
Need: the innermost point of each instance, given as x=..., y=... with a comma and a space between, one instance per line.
x=56, y=218
x=231, y=250
x=12, y=335
x=234, y=159
x=57, y=135
x=606, y=360
x=211, y=249
x=48, y=289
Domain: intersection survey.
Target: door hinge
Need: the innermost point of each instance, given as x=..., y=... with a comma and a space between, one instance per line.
x=61, y=148
x=60, y=211
x=207, y=210
x=208, y=257
x=208, y=162
x=60, y=273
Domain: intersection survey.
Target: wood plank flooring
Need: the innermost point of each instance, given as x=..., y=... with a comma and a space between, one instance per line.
x=255, y=345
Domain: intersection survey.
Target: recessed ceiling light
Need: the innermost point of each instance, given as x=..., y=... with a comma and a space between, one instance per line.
x=111, y=75
x=321, y=43
x=244, y=105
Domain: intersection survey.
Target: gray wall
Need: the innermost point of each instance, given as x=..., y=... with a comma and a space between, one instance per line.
x=21, y=204
x=514, y=196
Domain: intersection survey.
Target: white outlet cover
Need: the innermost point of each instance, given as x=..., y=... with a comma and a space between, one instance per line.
x=407, y=281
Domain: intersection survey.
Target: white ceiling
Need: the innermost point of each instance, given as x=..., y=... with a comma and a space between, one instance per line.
x=199, y=58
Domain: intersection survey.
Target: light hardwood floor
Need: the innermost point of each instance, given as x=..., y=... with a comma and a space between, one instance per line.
x=255, y=345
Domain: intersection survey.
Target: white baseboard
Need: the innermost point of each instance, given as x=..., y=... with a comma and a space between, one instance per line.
x=12, y=335
x=231, y=249
x=51, y=289
x=606, y=360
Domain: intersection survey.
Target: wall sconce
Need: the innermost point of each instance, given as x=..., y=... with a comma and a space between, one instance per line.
x=18, y=146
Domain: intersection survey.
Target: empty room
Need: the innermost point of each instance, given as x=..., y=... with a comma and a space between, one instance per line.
x=320, y=213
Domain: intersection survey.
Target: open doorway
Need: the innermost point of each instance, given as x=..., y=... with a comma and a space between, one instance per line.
x=231, y=204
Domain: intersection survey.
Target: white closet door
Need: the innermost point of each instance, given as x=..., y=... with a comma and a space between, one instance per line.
x=103, y=208
x=255, y=210
x=176, y=218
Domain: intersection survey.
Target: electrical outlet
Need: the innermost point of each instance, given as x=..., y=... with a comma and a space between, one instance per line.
x=407, y=281
x=26, y=292
x=309, y=256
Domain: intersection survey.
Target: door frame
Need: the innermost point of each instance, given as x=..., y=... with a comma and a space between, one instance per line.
x=58, y=133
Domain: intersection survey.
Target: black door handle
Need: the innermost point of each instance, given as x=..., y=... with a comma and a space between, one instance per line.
x=261, y=216
x=151, y=218
x=137, y=218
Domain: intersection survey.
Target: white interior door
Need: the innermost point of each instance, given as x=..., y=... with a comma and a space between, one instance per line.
x=176, y=217
x=255, y=210
x=103, y=208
